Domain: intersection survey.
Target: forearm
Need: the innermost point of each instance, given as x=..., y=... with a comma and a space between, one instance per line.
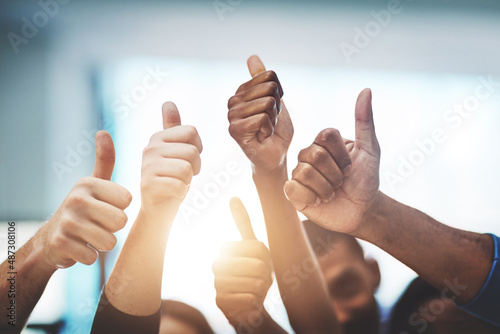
x=443, y=256
x=134, y=286
x=301, y=283
x=262, y=323
x=22, y=285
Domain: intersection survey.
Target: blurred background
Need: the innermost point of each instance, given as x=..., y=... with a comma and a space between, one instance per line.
x=71, y=67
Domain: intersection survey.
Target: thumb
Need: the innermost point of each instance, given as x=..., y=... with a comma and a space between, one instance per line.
x=240, y=216
x=171, y=115
x=365, y=128
x=255, y=66
x=104, y=156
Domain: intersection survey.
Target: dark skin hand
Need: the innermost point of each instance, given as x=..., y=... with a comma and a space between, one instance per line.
x=259, y=120
x=260, y=124
x=346, y=199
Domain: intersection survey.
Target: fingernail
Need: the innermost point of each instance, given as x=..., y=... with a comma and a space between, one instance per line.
x=332, y=196
x=318, y=200
x=347, y=171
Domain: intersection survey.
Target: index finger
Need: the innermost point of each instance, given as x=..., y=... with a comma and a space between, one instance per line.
x=332, y=141
x=181, y=134
x=261, y=78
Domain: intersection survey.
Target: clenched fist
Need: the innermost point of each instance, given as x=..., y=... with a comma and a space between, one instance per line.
x=89, y=215
x=336, y=180
x=169, y=161
x=258, y=118
x=243, y=273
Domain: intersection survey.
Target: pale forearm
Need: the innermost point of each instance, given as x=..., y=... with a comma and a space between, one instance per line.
x=134, y=286
x=440, y=254
x=300, y=280
x=22, y=283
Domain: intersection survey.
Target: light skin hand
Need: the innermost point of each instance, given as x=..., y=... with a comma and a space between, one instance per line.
x=336, y=181
x=169, y=162
x=242, y=273
x=259, y=120
x=89, y=215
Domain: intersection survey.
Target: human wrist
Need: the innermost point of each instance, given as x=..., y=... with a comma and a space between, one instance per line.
x=40, y=253
x=266, y=174
x=374, y=218
x=161, y=210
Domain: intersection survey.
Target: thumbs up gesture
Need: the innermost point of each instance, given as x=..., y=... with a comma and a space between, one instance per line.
x=336, y=180
x=258, y=118
x=89, y=215
x=242, y=274
x=169, y=162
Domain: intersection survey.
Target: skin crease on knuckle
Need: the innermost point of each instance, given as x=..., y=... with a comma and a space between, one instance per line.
x=328, y=135
x=303, y=172
x=315, y=155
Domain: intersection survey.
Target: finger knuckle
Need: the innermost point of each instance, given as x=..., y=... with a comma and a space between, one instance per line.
x=329, y=135
x=271, y=75
x=85, y=182
x=232, y=113
x=186, y=169
x=305, y=172
x=60, y=242
x=120, y=220
x=191, y=130
x=69, y=225
x=233, y=100
x=109, y=242
x=220, y=301
x=269, y=103
x=127, y=197
x=77, y=200
x=317, y=155
x=271, y=87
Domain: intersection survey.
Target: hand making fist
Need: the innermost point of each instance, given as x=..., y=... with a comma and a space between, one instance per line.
x=169, y=161
x=242, y=273
x=89, y=215
x=336, y=180
x=258, y=118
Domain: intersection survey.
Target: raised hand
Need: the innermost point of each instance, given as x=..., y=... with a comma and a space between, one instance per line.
x=89, y=215
x=336, y=180
x=169, y=162
x=259, y=120
x=242, y=273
